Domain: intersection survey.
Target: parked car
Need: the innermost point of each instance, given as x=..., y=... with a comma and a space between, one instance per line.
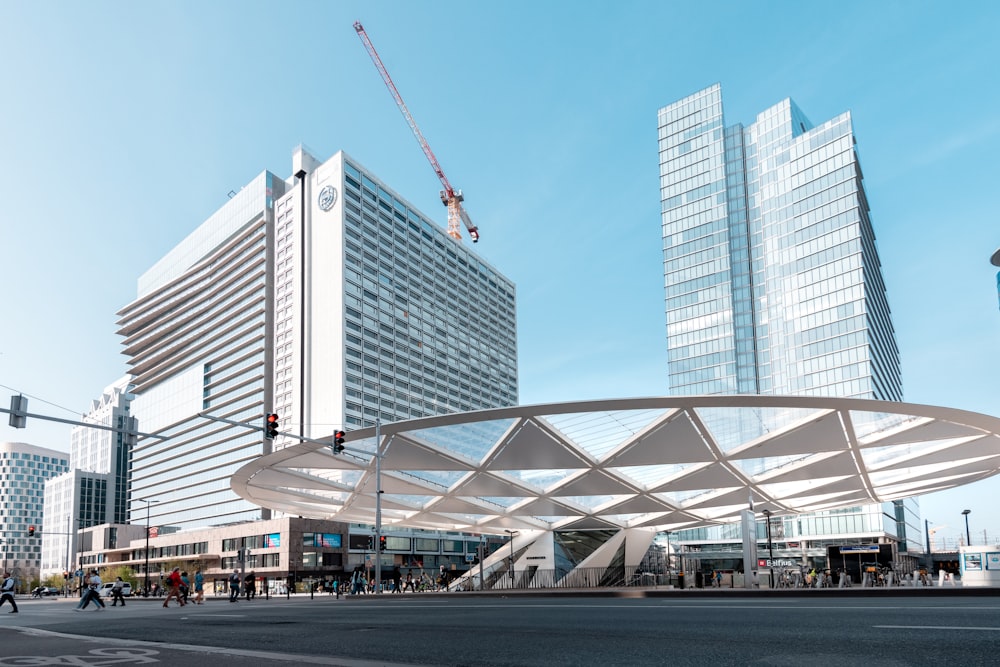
x=106, y=587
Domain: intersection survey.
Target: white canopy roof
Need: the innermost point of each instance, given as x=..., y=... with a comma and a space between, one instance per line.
x=664, y=463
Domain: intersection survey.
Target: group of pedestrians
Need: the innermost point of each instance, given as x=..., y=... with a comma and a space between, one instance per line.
x=249, y=586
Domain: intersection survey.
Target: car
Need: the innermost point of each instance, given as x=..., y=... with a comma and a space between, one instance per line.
x=51, y=590
x=106, y=587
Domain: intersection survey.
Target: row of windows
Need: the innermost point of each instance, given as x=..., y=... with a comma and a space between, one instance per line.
x=689, y=106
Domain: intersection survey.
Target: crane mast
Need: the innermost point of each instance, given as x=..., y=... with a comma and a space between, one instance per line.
x=450, y=197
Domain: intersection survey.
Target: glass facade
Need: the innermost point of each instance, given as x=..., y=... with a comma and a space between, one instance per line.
x=429, y=327
x=772, y=279
x=196, y=342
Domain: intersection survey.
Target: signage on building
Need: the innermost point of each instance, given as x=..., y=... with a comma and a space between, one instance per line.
x=860, y=549
x=776, y=562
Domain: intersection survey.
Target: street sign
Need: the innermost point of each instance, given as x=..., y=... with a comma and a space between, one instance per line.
x=470, y=558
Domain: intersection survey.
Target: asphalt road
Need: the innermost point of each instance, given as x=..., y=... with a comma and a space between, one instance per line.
x=468, y=629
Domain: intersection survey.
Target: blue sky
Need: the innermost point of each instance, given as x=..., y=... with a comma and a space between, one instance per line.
x=124, y=125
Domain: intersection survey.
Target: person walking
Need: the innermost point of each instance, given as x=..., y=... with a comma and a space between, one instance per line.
x=185, y=587
x=409, y=582
x=234, y=586
x=174, y=587
x=92, y=594
x=397, y=578
x=199, y=587
x=250, y=585
x=116, y=592
x=7, y=592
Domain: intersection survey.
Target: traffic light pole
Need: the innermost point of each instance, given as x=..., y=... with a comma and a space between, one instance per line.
x=377, y=454
x=378, y=506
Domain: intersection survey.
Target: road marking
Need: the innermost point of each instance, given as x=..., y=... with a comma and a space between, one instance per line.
x=300, y=659
x=933, y=627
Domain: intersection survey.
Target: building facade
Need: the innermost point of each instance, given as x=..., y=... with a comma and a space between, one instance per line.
x=95, y=490
x=24, y=470
x=360, y=310
x=774, y=286
x=278, y=552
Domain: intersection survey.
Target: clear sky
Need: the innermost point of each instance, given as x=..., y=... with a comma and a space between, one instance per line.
x=125, y=125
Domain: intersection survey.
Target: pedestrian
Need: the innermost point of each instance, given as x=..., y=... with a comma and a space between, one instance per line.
x=173, y=583
x=92, y=594
x=250, y=585
x=234, y=586
x=357, y=582
x=199, y=587
x=7, y=592
x=397, y=578
x=185, y=587
x=409, y=582
x=116, y=592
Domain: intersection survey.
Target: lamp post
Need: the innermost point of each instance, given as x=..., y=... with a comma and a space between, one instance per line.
x=513, y=534
x=770, y=550
x=668, y=558
x=148, y=503
x=968, y=538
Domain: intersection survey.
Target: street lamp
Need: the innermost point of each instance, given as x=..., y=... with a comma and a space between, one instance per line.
x=513, y=534
x=770, y=551
x=148, y=503
x=968, y=538
x=668, y=558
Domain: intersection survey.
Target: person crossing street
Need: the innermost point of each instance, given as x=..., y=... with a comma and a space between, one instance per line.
x=7, y=592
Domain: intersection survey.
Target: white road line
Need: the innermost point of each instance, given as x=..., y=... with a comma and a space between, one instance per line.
x=933, y=627
x=220, y=650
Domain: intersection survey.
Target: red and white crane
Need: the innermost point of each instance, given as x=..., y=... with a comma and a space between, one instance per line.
x=450, y=197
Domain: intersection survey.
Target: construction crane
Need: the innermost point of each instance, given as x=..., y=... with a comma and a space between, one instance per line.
x=450, y=197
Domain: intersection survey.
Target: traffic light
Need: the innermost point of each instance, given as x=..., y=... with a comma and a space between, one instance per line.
x=31, y=531
x=381, y=543
x=338, y=442
x=271, y=426
x=371, y=542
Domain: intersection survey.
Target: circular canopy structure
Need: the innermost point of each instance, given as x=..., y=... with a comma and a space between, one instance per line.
x=660, y=463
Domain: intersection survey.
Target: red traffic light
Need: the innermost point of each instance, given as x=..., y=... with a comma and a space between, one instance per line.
x=31, y=531
x=271, y=426
x=338, y=442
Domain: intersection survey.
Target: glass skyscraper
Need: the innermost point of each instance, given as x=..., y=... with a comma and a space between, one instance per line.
x=772, y=278
x=773, y=281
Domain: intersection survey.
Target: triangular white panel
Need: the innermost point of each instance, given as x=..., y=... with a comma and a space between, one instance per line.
x=821, y=465
x=532, y=448
x=490, y=485
x=546, y=507
x=923, y=431
x=733, y=497
x=460, y=506
x=406, y=486
x=975, y=448
x=674, y=442
x=587, y=523
x=294, y=479
x=637, y=505
x=712, y=477
x=825, y=434
x=406, y=454
x=592, y=483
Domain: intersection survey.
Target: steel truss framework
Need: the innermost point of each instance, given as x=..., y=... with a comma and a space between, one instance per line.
x=655, y=463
